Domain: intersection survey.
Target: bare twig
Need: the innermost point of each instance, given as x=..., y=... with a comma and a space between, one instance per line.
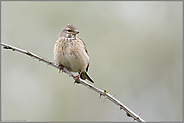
x=129, y=113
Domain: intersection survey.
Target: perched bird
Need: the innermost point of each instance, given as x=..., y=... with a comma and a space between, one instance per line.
x=70, y=52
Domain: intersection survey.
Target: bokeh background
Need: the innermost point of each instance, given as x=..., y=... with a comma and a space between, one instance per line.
x=135, y=53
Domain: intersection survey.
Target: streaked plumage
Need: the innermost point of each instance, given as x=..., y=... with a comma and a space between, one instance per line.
x=71, y=52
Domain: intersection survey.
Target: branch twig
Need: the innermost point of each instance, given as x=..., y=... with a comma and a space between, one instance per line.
x=129, y=113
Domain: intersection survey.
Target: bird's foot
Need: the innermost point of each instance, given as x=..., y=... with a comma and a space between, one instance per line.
x=61, y=68
x=77, y=79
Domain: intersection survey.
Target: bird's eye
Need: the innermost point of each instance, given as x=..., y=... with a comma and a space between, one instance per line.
x=69, y=30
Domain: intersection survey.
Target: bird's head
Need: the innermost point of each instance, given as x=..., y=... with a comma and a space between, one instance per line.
x=69, y=31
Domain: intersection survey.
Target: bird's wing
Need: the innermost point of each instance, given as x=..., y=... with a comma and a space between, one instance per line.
x=84, y=46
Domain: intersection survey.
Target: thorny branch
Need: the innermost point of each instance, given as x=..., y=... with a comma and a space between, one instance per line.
x=129, y=113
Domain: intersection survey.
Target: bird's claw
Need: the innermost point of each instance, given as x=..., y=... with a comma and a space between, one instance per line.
x=77, y=79
x=60, y=68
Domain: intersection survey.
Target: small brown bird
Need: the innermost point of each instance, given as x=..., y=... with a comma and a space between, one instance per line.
x=71, y=52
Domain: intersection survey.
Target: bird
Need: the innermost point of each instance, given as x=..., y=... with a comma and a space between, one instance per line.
x=70, y=52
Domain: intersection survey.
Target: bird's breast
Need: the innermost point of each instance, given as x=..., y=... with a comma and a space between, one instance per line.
x=71, y=54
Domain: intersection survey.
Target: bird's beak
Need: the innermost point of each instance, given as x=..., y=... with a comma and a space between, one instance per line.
x=75, y=32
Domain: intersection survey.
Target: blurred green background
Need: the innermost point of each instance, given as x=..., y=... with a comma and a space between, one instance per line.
x=135, y=51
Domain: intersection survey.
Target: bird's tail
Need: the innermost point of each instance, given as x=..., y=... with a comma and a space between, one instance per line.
x=84, y=76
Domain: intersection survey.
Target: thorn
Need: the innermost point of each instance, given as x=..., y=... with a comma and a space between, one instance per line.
x=139, y=114
x=105, y=92
x=121, y=108
x=89, y=87
x=137, y=118
x=128, y=114
x=39, y=59
x=5, y=47
x=100, y=95
x=104, y=100
x=134, y=119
